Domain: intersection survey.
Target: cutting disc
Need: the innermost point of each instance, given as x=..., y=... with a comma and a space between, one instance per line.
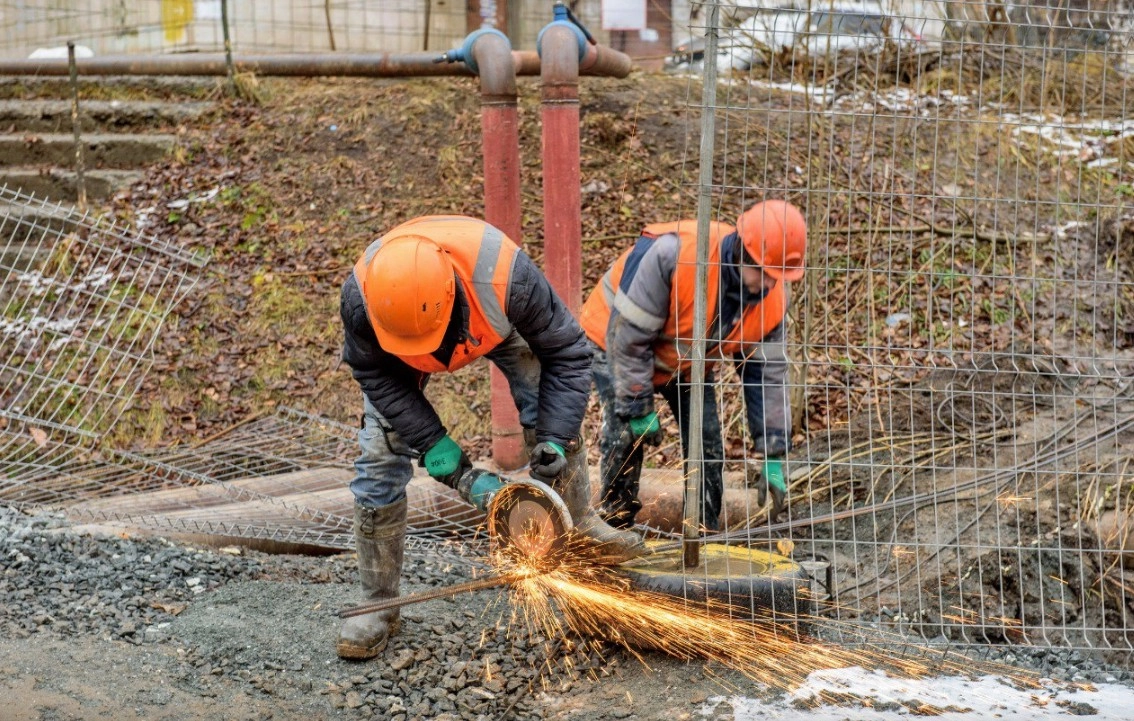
x=527, y=518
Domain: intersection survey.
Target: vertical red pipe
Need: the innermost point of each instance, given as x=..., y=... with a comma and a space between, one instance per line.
x=500, y=139
x=562, y=200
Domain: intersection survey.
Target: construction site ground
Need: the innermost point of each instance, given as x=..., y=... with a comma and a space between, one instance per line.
x=133, y=628
x=286, y=186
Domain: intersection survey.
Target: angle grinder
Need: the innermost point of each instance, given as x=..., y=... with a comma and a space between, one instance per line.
x=525, y=518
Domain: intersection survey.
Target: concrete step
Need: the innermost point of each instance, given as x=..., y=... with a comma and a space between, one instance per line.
x=117, y=151
x=54, y=116
x=26, y=231
x=62, y=185
x=153, y=87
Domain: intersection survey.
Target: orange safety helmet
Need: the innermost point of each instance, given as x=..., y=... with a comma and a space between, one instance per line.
x=410, y=290
x=774, y=234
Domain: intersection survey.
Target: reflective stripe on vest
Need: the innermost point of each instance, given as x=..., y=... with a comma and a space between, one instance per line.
x=483, y=259
x=673, y=346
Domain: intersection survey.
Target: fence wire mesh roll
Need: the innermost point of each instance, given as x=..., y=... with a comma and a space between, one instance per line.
x=962, y=343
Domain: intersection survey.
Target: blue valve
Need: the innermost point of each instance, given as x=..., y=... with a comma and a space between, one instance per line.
x=464, y=54
x=563, y=16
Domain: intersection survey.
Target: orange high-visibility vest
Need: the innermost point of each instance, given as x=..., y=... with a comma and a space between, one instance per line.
x=674, y=343
x=482, y=258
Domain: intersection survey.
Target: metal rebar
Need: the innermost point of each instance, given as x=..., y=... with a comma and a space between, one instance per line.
x=331, y=29
x=477, y=585
x=80, y=179
x=695, y=478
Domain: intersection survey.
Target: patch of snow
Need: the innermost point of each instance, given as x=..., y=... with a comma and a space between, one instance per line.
x=183, y=203
x=60, y=53
x=876, y=696
x=36, y=325
x=1089, y=141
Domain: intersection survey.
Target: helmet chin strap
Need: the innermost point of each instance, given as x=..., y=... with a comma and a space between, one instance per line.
x=457, y=331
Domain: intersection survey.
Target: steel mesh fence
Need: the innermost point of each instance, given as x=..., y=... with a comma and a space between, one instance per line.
x=282, y=479
x=82, y=300
x=81, y=305
x=960, y=344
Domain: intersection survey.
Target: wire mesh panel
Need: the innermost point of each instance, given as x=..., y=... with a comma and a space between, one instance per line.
x=80, y=303
x=961, y=344
x=282, y=480
x=285, y=477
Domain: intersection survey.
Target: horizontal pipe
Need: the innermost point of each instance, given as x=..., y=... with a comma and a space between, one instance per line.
x=663, y=503
x=370, y=65
x=605, y=62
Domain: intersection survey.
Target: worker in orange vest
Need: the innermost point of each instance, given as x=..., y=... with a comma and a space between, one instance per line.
x=640, y=322
x=431, y=296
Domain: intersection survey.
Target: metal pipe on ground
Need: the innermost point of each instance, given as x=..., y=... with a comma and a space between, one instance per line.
x=663, y=503
x=372, y=65
x=323, y=494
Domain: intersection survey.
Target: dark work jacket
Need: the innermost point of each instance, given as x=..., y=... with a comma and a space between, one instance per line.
x=536, y=313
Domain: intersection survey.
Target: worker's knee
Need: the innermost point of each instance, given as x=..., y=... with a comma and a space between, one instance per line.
x=378, y=492
x=383, y=468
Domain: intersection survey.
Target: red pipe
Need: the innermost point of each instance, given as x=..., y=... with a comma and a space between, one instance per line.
x=562, y=199
x=500, y=138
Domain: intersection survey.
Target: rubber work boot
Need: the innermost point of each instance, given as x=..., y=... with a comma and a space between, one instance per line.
x=574, y=487
x=380, y=539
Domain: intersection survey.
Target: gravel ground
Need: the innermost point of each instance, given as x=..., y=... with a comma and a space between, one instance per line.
x=110, y=627
x=223, y=629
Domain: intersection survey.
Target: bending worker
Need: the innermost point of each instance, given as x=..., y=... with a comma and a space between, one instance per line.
x=640, y=322
x=431, y=296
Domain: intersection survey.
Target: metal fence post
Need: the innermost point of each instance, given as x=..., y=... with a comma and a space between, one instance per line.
x=228, y=47
x=695, y=478
x=80, y=180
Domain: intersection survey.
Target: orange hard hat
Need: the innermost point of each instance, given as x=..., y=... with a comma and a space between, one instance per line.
x=410, y=291
x=774, y=234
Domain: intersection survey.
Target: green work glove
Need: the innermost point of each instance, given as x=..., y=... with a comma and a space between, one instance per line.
x=647, y=428
x=446, y=462
x=773, y=472
x=767, y=477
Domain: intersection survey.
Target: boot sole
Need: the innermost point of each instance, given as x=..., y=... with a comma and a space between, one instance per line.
x=352, y=652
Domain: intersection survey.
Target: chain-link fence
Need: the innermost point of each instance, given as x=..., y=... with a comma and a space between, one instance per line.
x=961, y=344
